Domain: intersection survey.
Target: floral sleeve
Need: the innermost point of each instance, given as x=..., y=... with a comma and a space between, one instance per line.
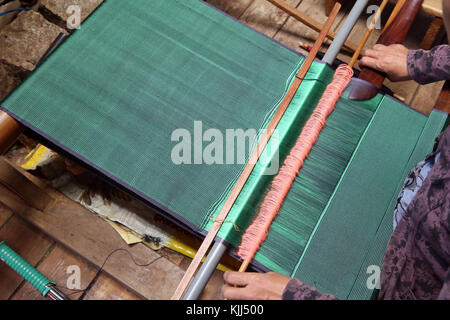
x=426, y=66
x=297, y=290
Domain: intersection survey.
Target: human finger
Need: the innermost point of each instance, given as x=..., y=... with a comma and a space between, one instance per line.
x=238, y=278
x=236, y=293
x=373, y=53
x=379, y=47
x=369, y=62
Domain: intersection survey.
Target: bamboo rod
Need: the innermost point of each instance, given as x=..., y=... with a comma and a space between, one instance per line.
x=394, y=13
x=187, y=278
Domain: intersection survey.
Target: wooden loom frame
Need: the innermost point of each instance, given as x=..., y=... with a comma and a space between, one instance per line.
x=10, y=129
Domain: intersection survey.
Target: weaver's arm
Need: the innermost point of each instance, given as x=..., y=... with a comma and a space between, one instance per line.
x=423, y=66
x=297, y=290
x=400, y=64
x=429, y=66
x=268, y=286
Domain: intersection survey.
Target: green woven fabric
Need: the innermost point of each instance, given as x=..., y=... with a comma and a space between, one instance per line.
x=314, y=186
x=352, y=233
x=377, y=248
x=118, y=88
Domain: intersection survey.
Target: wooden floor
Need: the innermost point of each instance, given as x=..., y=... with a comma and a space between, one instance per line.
x=118, y=279
x=69, y=235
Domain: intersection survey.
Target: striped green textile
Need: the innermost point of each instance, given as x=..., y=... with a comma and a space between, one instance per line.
x=355, y=227
x=114, y=93
x=376, y=246
x=116, y=90
x=314, y=186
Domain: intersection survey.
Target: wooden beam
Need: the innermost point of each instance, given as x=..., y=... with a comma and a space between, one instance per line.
x=10, y=131
x=443, y=102
x=310, y=22
x=84, y=233
x=432, y=33
x=329, y=4
x=55, y=267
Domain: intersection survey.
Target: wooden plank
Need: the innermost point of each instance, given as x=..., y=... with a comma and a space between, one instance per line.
x=265, y=17
x=5, y=214
x=433, y=7
x=443, y=101
x=91, y=237
x=55, y=268
x=107, y=288
x=29, y=243
x=404, y=90
x=309, y=21
x=234, y=8
x=433, y=31
x=12, y=178
x=299, y=14
x=426, y=96
x=329, y=4
x=293, y=31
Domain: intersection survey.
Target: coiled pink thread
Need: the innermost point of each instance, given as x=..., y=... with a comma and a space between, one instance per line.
x=256, y=233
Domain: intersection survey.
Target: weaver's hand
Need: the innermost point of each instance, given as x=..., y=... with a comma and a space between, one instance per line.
x=391, y=60
x=254, y=286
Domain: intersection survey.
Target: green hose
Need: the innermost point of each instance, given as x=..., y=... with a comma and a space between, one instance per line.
x=27, y=271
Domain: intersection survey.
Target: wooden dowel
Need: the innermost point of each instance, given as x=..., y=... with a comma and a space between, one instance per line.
x=394, y=13
x=10, y=131
x=190, y=272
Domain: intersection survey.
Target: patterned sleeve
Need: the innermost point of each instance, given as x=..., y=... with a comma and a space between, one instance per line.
x=297, y=290
x=426, y=66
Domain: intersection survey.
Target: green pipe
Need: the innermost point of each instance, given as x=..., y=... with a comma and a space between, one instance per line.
x=27, y=271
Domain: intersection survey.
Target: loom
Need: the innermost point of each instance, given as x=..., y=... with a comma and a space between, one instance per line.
x=112, y=96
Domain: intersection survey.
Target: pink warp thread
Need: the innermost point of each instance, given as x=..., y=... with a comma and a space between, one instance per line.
x=256, y=233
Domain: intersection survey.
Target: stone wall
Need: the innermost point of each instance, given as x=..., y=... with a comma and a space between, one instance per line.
x=28, y=35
